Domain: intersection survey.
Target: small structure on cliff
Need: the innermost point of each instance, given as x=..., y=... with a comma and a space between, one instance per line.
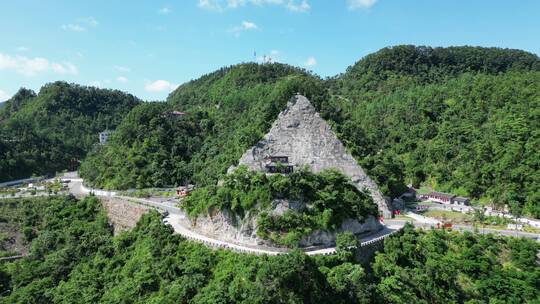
x=300, y=137
x=278, y=164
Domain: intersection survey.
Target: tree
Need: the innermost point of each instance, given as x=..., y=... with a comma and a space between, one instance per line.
x=346, y=245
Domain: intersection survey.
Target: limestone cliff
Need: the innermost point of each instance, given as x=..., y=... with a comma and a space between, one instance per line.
x=225, y=226
x=300, y=134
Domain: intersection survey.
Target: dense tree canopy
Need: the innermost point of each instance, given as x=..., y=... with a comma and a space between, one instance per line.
x=49, y=132
x=76, y=259
x=454, y=267
x=458, y=119
x=228, y=111
x=151, y=147
x=462, y=120
x=324, y=201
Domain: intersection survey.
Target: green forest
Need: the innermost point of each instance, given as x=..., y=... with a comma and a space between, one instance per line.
x=54, y=130
x=324, y=201
x=74, y=258
x=464, y=120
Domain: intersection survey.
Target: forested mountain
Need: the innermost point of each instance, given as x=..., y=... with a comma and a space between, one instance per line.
x=74, y=258
x=401, y=66
x=459, y=119
x=43, y=133
x=463, y=120
x=151, y=147
x=227, y=111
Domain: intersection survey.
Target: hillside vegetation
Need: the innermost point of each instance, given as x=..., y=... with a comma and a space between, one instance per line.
x=460, y=119
x=226, y=112
x=151, y=147
x=76, y=259
x=43, y=133
x=463, y=120
x=324, y=201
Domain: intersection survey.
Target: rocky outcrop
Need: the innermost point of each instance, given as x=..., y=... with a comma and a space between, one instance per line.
x=305, y=138
x=225, y=226
x=299, y=137
x=122, y=215
x=326, y=238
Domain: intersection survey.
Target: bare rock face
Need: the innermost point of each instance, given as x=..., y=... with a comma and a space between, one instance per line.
x=325, y=238
x=298, y=137
x=225, y=226
x=305, y=138
x=122, y=215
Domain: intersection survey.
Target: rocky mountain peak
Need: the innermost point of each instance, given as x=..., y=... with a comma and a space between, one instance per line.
x=300, y=137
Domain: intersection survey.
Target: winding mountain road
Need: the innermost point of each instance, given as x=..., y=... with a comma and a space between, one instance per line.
x=176, y=217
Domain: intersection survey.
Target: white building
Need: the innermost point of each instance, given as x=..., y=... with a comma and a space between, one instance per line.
x=103, y=136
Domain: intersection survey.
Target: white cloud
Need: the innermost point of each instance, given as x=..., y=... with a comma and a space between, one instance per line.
x=311, y=61
x=160, y=86
x=81, y=25
x=63, y=68
x=4, y=96
x=73, y=27
x=32, y=66
x=22, y=49
x=90, y=21
x=95, y=83
x=210, y=4
x=244, y=26
x=220, y=5
x=122, y=79
x=360, y=4
x=121, y=68
x=164, y=11
x=301, y=7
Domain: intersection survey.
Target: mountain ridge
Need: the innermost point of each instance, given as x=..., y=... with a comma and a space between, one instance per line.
x=393, y=116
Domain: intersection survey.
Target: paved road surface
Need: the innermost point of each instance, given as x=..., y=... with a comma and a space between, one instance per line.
x=423, y=225
x=177, y=216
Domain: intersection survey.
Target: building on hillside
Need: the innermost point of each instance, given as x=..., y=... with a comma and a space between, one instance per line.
x=173, y=114
x=104, y=136
x=446, y=198
x=532, y=223
x=439, y=197
x=278, y=164
x=184, y=190
x=300, y=137
x=460, y=200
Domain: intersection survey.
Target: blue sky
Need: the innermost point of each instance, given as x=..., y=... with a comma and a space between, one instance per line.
x=149, y=47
